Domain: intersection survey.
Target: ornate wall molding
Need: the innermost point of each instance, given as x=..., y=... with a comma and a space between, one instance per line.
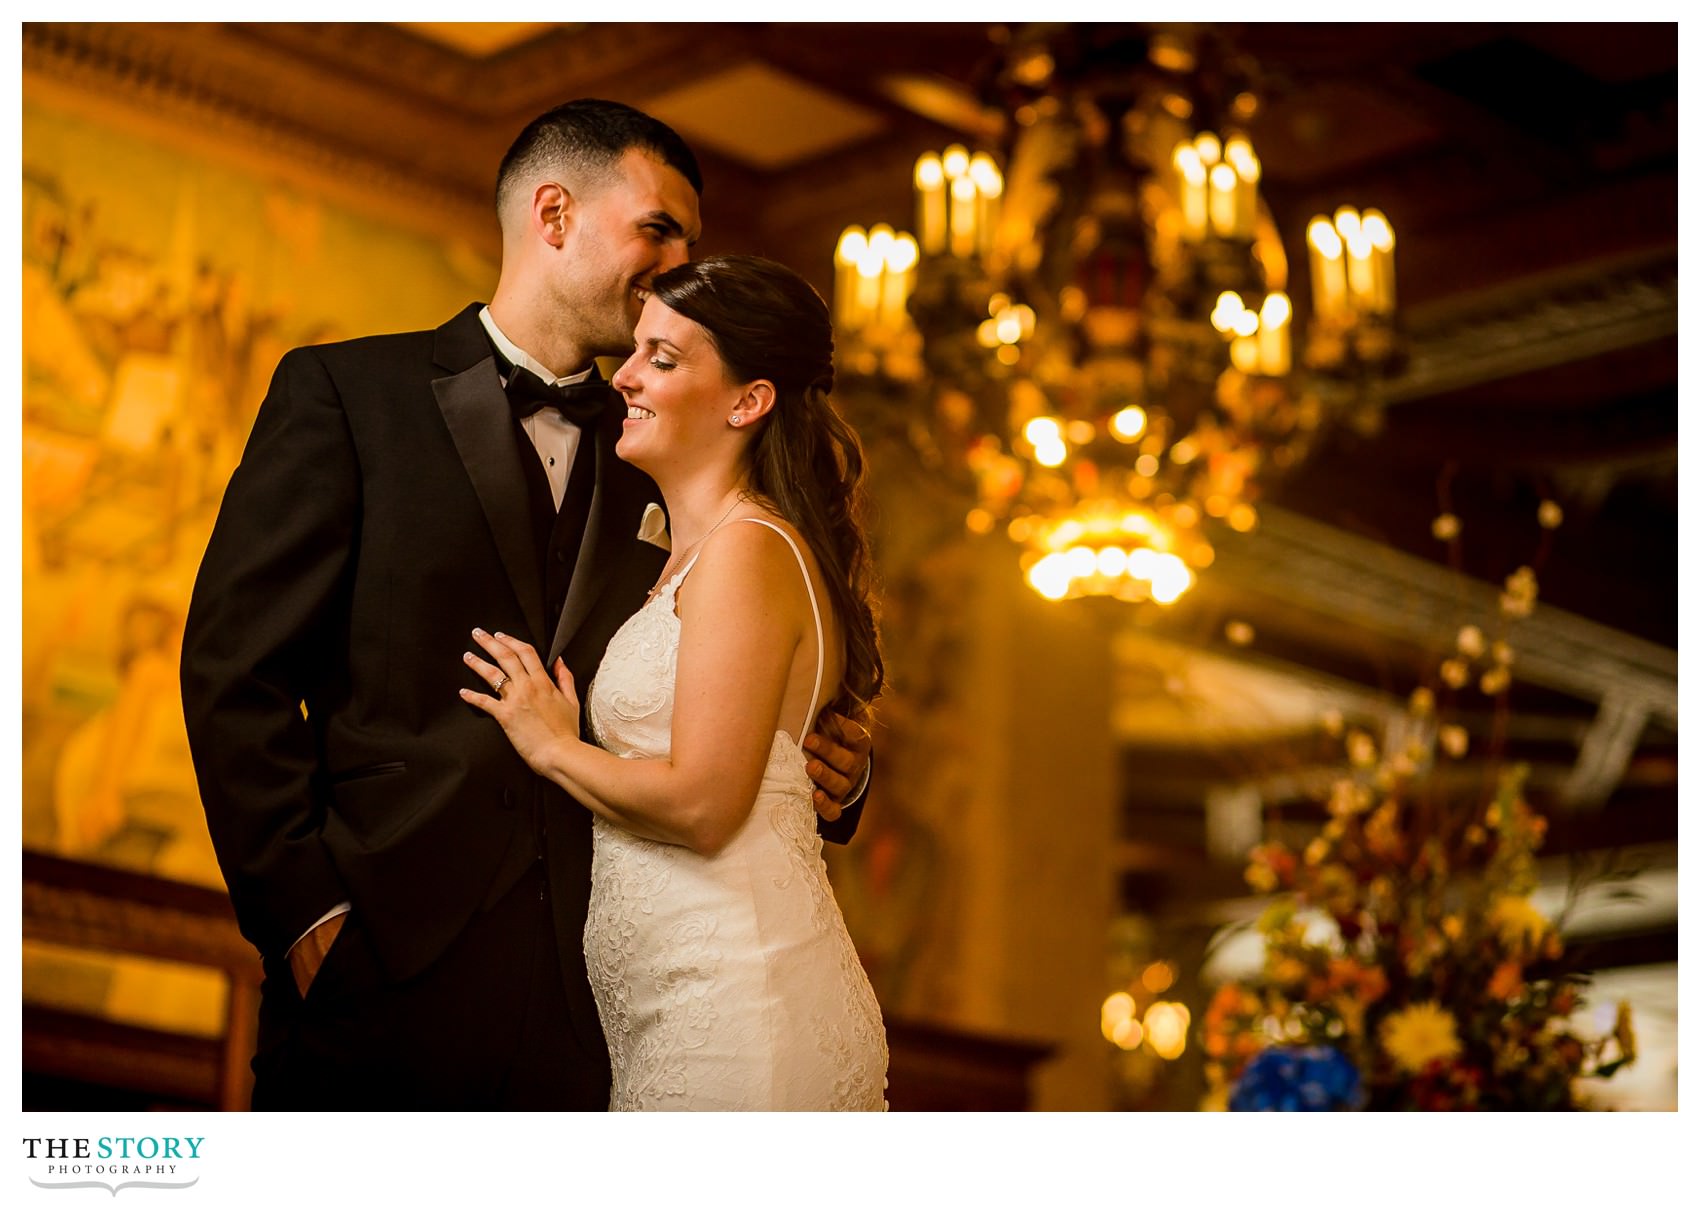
x=245, y=110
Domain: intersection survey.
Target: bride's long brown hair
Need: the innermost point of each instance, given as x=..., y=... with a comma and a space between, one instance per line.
x=805, y=461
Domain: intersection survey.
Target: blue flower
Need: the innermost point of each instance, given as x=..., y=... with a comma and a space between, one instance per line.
x=1286, y=1078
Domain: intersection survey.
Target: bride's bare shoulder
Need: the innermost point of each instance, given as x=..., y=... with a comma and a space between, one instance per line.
x=750, y=547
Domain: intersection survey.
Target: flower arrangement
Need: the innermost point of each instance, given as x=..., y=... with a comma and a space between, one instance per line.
x=1402, y=939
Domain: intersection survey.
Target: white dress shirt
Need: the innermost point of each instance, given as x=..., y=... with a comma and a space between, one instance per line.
x=555, y=438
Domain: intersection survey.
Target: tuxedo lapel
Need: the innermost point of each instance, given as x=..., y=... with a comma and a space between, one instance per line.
x=611, y=553
x=479, y=421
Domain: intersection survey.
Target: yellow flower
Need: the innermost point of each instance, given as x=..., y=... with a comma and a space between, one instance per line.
x=1419, y=1034
x=1517, y=923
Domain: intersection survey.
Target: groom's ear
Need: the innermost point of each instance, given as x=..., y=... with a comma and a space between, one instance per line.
x=551, y=212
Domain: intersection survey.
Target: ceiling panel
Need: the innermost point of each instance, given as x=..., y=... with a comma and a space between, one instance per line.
x=764, y=117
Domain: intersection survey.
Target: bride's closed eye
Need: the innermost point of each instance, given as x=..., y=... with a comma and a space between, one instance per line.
x=659, y=365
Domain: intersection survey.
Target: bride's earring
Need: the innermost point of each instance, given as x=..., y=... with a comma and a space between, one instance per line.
x=737, y=420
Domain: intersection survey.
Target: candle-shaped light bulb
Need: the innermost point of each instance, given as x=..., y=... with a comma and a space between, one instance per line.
x=955, y=161
x=988, y=184
x=851, y=245
x=1209, y=147
x=1379, y=233
x=1274, y=335
x=903, y=254
x=1359, y=275
x=1322, y=237
x=1194, y=215
x=1228, y=306
x=963, y=197
x=900, y=257
x=880, y=239
x=1246, y=167
x=869, y=267
x=1327, y=269
x=930, y=202
x=1239, y=154
x=1223, y=181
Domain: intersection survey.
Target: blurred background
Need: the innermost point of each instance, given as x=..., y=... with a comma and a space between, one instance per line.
x=1236, y=397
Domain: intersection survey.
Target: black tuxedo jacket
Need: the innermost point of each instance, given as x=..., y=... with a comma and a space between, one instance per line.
x=379, y=513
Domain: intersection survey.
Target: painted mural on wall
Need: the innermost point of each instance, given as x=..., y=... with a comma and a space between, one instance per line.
x=159, y=290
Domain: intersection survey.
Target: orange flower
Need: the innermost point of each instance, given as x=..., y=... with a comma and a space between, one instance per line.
x=1226, y=1002
x=1506, y=982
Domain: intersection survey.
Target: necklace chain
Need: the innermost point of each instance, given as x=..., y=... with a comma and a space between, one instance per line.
x=680, y=557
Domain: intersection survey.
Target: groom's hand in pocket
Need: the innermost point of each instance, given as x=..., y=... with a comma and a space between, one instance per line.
x=838, y=758
x=310, y=950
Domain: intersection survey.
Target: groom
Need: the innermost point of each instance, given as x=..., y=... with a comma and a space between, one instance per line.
x=418, y=895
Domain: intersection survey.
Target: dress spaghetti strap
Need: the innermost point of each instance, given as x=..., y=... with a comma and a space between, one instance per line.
x=814, y=607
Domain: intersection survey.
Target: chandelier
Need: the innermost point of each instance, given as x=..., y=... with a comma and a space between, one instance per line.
x=1097, y=311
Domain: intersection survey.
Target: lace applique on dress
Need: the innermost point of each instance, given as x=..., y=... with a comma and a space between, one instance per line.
x=724, y=981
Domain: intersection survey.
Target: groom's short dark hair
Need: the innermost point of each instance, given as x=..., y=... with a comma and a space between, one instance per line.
x=588, y=134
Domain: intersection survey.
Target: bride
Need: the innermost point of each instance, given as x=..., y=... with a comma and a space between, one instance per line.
x=721, y=967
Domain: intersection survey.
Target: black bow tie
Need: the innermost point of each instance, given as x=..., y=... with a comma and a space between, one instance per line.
x=583, y=403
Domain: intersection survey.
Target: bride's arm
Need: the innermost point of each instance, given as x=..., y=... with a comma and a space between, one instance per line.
x=741, y=614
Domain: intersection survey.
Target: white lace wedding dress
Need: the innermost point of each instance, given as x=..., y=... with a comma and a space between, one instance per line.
x=728, y=981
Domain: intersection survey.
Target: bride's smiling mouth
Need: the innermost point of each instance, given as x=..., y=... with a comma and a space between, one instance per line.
x=638, y=413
